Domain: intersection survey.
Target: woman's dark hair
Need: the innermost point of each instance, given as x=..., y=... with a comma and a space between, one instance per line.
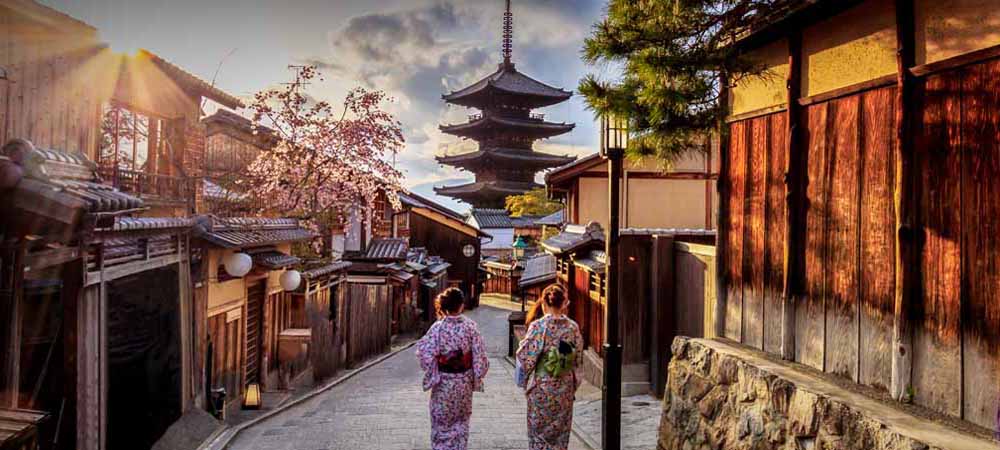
x=449, y=301
x=554, y=296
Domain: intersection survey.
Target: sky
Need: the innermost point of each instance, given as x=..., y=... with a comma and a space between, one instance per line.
x=415, y=50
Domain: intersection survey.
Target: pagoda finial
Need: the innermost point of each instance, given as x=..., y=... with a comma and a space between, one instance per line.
x=508, y=34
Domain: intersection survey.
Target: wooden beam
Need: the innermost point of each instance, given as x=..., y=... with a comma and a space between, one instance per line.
x=795, y=188
x=845, y=91
x=722, y=186
x=757, y=113
x=685, y=175
x=906, y=265
x=956, y=62
x=47, y=258
x=124, y=270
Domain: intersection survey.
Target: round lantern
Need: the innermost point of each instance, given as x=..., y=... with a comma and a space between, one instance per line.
x=237, y=264
x=290, y=280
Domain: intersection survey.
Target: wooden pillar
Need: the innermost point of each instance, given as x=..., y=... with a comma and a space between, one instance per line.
x=723, y=187
x=663, y=319
x=795, y=206
x=906, y=264
x=12, y=257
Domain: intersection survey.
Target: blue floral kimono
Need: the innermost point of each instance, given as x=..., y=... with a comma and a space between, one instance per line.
x=550, y=399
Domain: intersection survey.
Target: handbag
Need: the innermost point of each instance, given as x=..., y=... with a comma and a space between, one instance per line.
x=520, y=375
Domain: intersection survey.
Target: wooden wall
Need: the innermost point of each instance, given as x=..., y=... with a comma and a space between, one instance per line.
x=844, y=318
x=447, y=243
x=56, y=79
x=369, y=320
x=325, y=349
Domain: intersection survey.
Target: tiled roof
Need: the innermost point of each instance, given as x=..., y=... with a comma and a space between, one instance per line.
x=492, y=218
x=507, y=80
x=595, y=261
x=532, y=128
x=521, y=157
x=500, y=187
x=388, y=248
x=417, y=201
x=324, y=269
x=151, y=223
x=73, y=177
x=246, y=232
x=556, y=219
x=540, y=269
x=273, y=259
x=568, y=171
x=194, y=82
x=574, y=237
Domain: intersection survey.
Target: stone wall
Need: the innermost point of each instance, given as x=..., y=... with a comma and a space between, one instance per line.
x=723, y=396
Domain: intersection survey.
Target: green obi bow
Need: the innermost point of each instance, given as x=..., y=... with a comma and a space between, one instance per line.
x=558, y=361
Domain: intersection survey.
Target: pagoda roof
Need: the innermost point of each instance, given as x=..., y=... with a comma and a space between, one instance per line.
x=531, y=128
x=507, y=80
x=485, y=192
x=521, y=158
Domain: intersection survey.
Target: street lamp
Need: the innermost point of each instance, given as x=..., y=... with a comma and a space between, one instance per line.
x=614, y=142
x=519, y=247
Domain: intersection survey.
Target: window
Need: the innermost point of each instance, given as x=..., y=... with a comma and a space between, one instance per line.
x=403, y=221
x=131, y=140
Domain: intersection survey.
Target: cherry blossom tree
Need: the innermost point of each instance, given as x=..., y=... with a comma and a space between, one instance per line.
x=328, y=161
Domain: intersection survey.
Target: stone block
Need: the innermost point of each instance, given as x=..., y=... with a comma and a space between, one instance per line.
x=802, y=414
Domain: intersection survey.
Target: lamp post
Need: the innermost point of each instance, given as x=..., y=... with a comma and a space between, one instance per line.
x=614, y=141
x=519, y=247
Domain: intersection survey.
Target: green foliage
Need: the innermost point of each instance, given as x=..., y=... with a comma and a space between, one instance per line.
x=672, y=53
x=532, y=203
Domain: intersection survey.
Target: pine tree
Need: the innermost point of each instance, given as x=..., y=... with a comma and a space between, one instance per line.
x=532, y=203
x=673, y=54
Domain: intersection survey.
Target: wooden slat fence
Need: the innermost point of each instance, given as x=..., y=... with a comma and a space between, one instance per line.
x=369, y=320
x=844, y=316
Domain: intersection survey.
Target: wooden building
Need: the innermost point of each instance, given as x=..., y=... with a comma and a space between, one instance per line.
x=877, y=261
x=231, y=144
x=245, y=316
x=505, y=130
x=442, y=233
x=95, y=305
x=680, y=194
x=136, y=115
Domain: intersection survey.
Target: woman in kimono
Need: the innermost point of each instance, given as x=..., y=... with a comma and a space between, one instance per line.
x=548, y=355
x=454, y=360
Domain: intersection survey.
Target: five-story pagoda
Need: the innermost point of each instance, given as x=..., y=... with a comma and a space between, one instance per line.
x=505, y=163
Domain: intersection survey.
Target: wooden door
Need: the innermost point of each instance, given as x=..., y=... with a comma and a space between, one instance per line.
x=255, y=320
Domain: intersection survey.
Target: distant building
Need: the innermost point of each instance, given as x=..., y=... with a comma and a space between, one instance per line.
x=654, y=195
x=503, y=230
x=505, y=163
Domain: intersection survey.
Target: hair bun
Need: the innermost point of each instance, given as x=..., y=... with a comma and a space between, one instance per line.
x=450, y=300
x=554, y=296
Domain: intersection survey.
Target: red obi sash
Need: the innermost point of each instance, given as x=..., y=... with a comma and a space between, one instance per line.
x=455, y=362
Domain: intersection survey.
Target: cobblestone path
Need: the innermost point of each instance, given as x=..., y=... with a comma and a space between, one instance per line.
x=383, y=408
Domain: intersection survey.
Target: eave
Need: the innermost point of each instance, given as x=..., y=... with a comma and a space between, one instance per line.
x=526, y=159
x=532, y=128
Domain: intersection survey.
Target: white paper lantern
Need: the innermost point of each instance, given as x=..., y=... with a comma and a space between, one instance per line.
x=290, y=280
x=238, y=264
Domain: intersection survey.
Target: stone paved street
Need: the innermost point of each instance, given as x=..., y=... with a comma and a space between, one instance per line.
x=384, y=408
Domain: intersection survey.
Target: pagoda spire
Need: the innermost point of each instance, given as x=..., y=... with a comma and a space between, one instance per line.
x=508, y=35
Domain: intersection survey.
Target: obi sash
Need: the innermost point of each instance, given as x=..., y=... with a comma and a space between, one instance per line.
x=455, y=362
